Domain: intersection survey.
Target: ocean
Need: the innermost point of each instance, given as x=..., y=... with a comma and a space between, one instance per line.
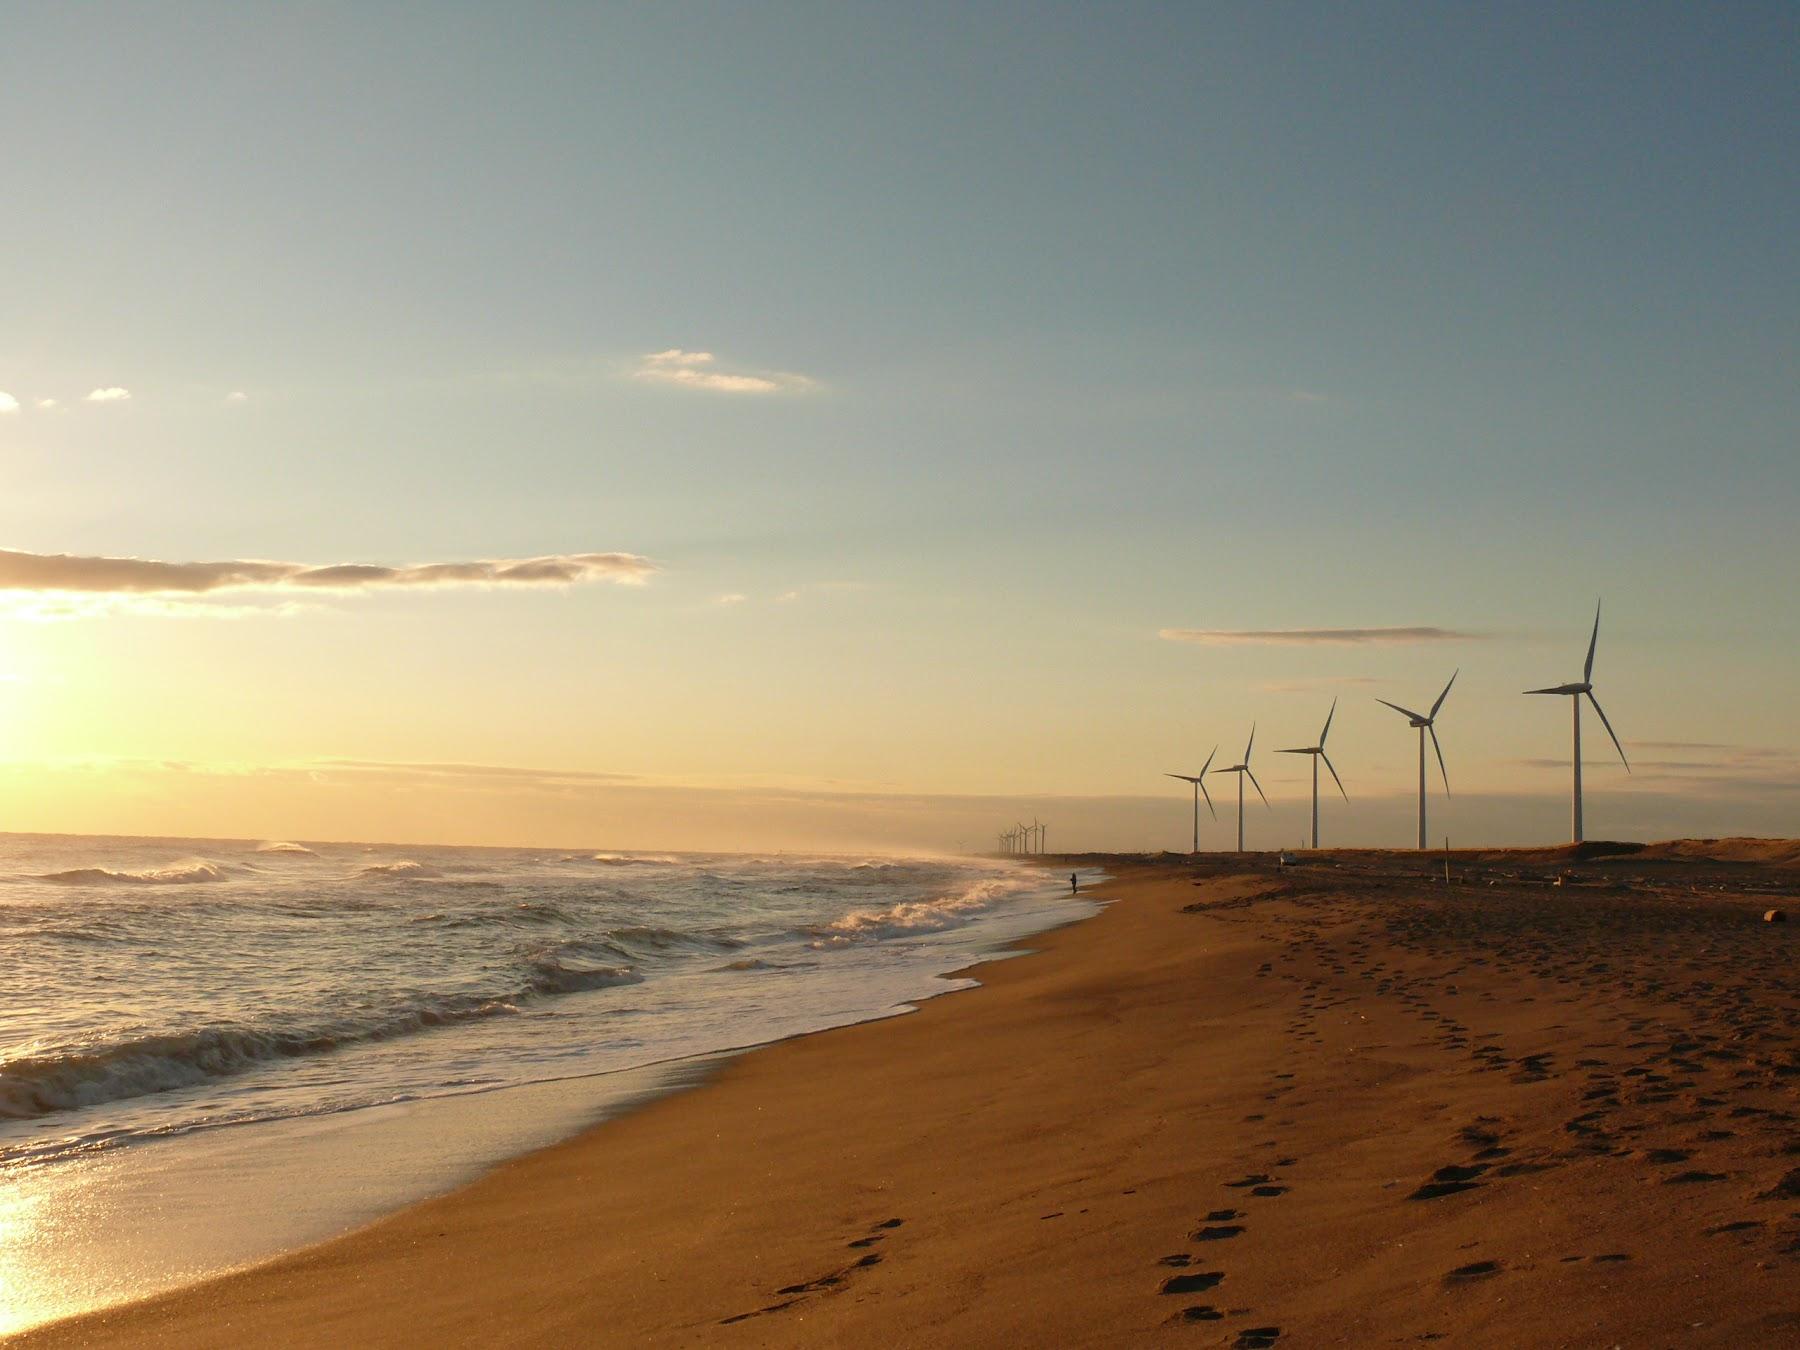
x=195, y=1028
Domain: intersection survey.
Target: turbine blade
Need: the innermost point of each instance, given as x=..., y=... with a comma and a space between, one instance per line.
x=1258, y=786
x=1294, y=752
x=1446, y=694
x=1609, y=730
x=1587, y=671
x=1252, y=742
x=1184, y=777
x=1440, y=754
x=1404, y=712
x=1328, y=716
x=1204, y=793
x=1209, y=759
x=1543, y=691
x=1334, y=777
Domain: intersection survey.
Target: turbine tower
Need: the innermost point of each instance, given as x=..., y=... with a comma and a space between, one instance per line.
x=1575, y=690
x=1424, y=722
x=1318, y=753
x=1243, y=772
x=1199, y=789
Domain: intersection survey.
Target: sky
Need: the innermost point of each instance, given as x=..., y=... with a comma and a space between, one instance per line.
x=838, y=425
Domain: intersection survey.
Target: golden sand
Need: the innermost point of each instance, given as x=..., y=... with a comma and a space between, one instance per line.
x=1343, y=1104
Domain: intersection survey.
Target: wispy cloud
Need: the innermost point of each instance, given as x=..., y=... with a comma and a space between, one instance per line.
x=474, y=772
x=8, y=404
x=237, y=396
x=1303, y=637
x=110, y=394
x=700, y=370
x=47, y=403
x=68, y=573
x=731, y=598
x=1711, y=768
x=1312, y=686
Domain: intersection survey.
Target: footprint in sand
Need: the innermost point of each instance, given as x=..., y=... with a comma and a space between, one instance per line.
x=1257, y=1338
x=1450, y=1180
x=1197, y=1283
x=1201, y=1312
x=1475, y=1270
x=1738, y=1226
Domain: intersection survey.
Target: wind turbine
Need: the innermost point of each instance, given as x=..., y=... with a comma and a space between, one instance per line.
x=1199, y=789
x=1585, y=685
x=1024, y=837
x=1424, y=722
x=1318, y=753
x=1243, y=772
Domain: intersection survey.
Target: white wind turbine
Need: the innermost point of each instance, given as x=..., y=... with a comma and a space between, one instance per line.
x=1424, y=722
x=1585, y=685
x=1243, y=772
x=1318, y=753
x=1199, y=791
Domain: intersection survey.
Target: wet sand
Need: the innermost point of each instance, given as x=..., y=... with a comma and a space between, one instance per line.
x=1339, y=1104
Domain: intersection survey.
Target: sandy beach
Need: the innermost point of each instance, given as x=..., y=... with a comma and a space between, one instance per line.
x=1338, y=1104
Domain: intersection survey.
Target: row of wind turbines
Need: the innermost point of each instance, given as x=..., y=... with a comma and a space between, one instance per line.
x=1023, y=838
x=1426, y=724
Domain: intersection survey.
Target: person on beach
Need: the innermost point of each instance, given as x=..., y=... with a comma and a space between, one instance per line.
x=1072, y=887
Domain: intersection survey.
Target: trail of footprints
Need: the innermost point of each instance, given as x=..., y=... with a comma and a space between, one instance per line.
x=1655, y=1096
x=791, y=1294
x=1227, y=1224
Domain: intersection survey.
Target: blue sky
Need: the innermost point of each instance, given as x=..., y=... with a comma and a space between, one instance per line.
x=1076, y=324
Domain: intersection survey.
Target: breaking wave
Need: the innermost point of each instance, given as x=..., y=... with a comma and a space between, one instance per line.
x=406, y=867
x=280, y=847
x=919, y=916
x=40, y=1084
x=190, y=873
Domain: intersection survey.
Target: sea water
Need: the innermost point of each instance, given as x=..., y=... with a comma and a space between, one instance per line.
x=264, y=1043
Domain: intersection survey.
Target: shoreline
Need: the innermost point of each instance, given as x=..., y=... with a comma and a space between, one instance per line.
x=233, y=1196
x=1053, y=1155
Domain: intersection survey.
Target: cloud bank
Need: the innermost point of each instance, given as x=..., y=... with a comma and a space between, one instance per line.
x=1302, y=637
x=66, y=573
x=700, y=370
x=110, y=394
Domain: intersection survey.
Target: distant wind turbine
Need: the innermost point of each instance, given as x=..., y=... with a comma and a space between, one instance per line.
x=1424, y=722
x=1199, y=791
x=1318, y=753
x=1243, y=772
x=1575, y=691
